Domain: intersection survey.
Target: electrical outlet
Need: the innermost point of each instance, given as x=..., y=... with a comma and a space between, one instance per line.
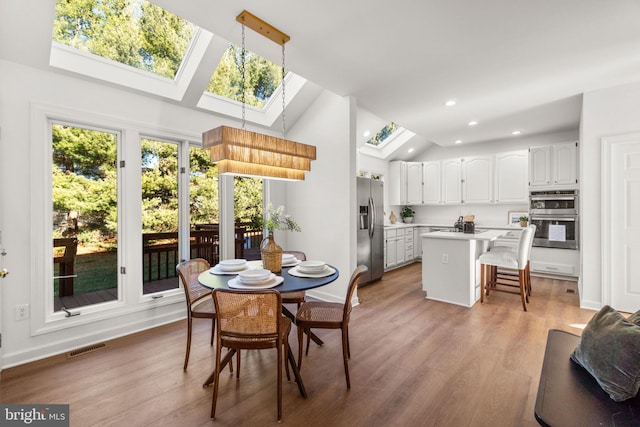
x=445, y=258
x=22, y=311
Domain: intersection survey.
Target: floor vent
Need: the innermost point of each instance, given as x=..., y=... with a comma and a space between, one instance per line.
x=85, y=350
x=571, y=291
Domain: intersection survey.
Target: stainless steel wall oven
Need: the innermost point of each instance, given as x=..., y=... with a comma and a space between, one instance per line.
x=555, y=214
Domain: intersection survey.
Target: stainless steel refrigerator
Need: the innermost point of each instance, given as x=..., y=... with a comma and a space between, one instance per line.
x=370, y=228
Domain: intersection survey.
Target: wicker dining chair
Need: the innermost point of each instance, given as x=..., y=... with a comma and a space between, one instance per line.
x=294, y=297
x=329, y=315
x=250, y=319
x=199, y=300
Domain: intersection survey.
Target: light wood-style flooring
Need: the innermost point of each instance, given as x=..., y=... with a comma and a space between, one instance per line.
x=415, y=362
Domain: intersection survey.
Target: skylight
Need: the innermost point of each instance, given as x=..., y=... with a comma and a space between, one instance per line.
x=136, y=33
x=380, y=138
x=262, y=77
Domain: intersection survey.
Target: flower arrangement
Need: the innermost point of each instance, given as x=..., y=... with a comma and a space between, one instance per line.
x=276, y=219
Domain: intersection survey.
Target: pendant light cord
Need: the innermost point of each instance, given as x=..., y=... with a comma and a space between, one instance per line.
x=242, y=70
x=284, y=129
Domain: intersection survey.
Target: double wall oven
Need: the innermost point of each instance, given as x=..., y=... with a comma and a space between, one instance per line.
x=555, y=214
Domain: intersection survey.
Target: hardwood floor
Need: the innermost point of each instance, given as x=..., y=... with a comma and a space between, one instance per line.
x=414, y=362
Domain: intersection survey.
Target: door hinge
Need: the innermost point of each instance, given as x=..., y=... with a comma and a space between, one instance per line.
x=121, y=163
x=123, y=270
x=183, y=169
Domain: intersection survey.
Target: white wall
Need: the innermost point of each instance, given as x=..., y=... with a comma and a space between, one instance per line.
x=324, y=197
x=605, y=113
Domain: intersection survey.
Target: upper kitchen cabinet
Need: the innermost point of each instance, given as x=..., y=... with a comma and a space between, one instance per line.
x=432, y=187
x=511, y=177
x=397, y=183
x=477, y=179
x=414, y=183
x=452, y=181
x=554, y=166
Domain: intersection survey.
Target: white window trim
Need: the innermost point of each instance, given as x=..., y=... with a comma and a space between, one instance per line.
x=85, y=63
x=130, y=297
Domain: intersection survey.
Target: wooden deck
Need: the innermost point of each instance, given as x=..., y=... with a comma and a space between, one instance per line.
x=111, y=294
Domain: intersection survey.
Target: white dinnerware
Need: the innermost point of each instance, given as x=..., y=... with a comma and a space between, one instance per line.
x=311, y=266
x=255, y=277
x=326, y=271
x=233, y=264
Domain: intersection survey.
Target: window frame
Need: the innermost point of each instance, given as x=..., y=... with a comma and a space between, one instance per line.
x=130, y=287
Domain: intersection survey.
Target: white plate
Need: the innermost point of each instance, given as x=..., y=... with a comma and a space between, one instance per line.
x=312, y=267
x=292, y=263
x=235, y=284
x=252, y=281
x=216, y=270
x=328, y=271
x=232, y=264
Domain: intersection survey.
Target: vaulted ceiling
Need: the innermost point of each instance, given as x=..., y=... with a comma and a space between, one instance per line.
x=510, y=65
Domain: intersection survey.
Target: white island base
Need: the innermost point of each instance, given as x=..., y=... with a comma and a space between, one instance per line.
x=450, y=267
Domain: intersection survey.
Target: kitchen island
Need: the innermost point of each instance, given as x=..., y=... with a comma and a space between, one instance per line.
x=450, y=267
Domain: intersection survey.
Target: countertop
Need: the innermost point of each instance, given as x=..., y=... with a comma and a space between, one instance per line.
x=485, y=235
x=477, y=226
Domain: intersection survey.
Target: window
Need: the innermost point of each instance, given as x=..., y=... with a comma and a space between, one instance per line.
x=85, y=216
x=382, y=137
x=160, y=252
x=262, y=77
x=136, y=33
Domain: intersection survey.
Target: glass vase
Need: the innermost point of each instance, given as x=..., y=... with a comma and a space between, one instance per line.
x=271, y=254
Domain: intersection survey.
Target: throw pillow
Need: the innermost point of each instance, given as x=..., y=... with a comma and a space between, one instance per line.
x=609, y=349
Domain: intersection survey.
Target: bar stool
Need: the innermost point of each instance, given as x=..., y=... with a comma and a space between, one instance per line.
x=508, y=274
x=516, y=260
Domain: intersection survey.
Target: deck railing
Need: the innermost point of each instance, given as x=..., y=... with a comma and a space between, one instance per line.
x=160, y=253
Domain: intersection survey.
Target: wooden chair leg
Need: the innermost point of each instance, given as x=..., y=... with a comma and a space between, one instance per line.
x=238, y=363
x=279, y=369
x=213, y=329
x=523, y=291
x=483, y=280
x=186, y=356
x=345, y=357
x=216, y=381
x=300, y=342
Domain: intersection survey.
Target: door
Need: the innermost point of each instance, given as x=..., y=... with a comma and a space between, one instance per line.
x=540, y=166
x=623, y=225
x=478, y=180
x=414, y=183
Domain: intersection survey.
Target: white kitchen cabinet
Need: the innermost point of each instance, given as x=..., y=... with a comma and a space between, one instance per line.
x=556, y=262
x=477, y=179
x=400, y=246
x=397, y=183
x=414, y=183
x=390, y=245
x=554, y=166
x=452, y=181
x=408, y=244
x=417, y=241
x=432, y=187
x=565, y=164
x=511, y=177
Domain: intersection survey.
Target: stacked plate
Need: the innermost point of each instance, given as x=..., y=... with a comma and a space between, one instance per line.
x=255, y=277
x=312, y=267
x=289, y=260
x=231, y=265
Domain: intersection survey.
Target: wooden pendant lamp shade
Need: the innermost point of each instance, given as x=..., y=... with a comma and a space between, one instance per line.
x=241, y=152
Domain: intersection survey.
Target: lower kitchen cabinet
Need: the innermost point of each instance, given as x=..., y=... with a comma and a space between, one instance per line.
x=562, y=262
x=398, y=247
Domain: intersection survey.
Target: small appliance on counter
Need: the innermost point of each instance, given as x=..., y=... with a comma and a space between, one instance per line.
x=459, y=224
x=469, y=226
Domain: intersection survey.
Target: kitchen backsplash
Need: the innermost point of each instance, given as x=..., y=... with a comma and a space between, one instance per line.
x=485, y=214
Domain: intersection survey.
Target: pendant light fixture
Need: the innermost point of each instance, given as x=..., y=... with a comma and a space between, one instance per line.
x=245, y=153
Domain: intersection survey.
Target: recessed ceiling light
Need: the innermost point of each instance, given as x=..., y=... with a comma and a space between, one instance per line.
x=450, y=103
x=410, y=150
x=366, y=133
x=516, y=132
x=458, y=141
x=472, y=123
